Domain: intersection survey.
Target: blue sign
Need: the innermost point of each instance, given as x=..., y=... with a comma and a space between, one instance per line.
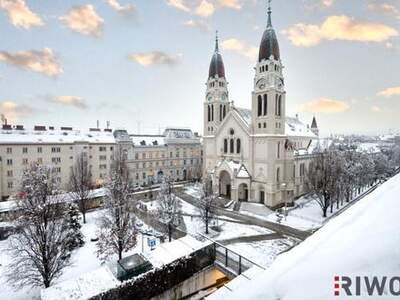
x=151, y=243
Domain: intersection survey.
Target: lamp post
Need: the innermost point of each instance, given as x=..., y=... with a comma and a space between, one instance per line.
x=283, y=187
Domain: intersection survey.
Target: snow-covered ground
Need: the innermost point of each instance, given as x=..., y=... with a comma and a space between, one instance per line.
x=263, y=252
x=363, y=241
x=306, y=215
x=83, y=260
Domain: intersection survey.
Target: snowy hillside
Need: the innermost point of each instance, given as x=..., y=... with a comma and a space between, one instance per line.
x=363, y=241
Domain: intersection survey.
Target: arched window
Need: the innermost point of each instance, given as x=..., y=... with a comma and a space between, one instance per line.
x=209, y=113
x=265, y=104
x=238, y=146
x=220, y=112
x=259, y=107
x=224, y=112
x=278, y=150
x=232, y=146
x=225, y=145
x=280, y=105
x=212, y=112
x=278, y=175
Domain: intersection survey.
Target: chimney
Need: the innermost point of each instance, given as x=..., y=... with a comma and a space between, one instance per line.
x=66, y=128
x=39, y=128
x=19, y=127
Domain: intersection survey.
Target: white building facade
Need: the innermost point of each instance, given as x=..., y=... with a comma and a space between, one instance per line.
x=256, y=154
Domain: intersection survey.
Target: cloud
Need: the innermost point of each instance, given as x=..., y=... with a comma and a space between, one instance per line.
x=327, y=3
x=385, y=8
x=20, y=15
x=235, y=4
x=42, y=61
x=205, y=9
x=339, y=28
x=179, y=4
x=203, y=26
x=155, y=58
x=390, y=92
x=13, y=111
x=124, y=9
x=376, y=109
x=324, y=105
x=240, y=47
x=75, y=101
x=84, y=20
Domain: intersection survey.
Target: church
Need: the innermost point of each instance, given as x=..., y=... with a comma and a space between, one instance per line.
x=258, y=154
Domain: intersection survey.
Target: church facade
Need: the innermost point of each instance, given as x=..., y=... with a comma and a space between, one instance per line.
x=258, y=154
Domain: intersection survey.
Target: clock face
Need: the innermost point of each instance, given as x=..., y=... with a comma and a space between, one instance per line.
x=261, y=84
x=223, y=96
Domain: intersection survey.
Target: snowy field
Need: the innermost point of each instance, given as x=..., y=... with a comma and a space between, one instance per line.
x=83, y=260
x=362, y=241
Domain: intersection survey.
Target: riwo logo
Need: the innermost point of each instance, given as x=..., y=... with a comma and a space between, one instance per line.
x=366, y=286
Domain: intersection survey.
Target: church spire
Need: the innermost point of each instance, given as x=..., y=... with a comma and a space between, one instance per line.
x=216, y=42
x=269, y=23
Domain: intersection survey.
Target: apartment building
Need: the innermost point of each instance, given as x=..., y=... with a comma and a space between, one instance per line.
x=176, y=154
x=59, y=147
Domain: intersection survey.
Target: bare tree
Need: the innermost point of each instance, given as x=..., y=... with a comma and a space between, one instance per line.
x=321, y=179
x=169, y=208
x=80, y=183
x=117, y=232
x=207, y=203
x=38, y=250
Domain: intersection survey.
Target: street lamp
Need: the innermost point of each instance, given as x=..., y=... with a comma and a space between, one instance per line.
x=283, y=187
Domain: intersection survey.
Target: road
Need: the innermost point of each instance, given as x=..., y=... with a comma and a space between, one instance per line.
x=278, y=228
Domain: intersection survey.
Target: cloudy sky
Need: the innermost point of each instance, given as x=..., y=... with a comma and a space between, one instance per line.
x=142, y=64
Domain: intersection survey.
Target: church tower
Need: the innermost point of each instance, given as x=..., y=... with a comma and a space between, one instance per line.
x=314, y=126
x=269, y=96
x=216, y=105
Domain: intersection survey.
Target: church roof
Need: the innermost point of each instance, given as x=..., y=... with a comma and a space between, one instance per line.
x=314, y=123
x=217, y=67
x=269, y=42
x=294, y=127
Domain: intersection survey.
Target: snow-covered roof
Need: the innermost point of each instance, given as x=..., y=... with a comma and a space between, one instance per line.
x=14, y=136
x=169, y=252
x=148, y=140
x=294, y=127
x=362, y=241
x=245, y=114
x=85, y=286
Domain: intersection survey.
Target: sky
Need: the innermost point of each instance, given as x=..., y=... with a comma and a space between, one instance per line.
x=143, y=64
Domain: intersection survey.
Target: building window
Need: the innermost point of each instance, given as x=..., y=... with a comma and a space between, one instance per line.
x=39, y=150
x=259, y=106
x=56, y=160
x=278, y=175
x=265, y=105
x=9, y=162
x=40, y=160
x=208, y=113
x=103, y=167
x=10, y=184
x=24, y=161
x=212, y=112
x=25, y=150
x=102, y=149
x=278, y=150
x=232, y=146
x=9, y=173
x=259, y=125
x=55, y=149
x=9, y=150
x=265, y=125
x=225, y=145
x=103, y=157
x=238, y=146
x=302, y=169
x=224, y=111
